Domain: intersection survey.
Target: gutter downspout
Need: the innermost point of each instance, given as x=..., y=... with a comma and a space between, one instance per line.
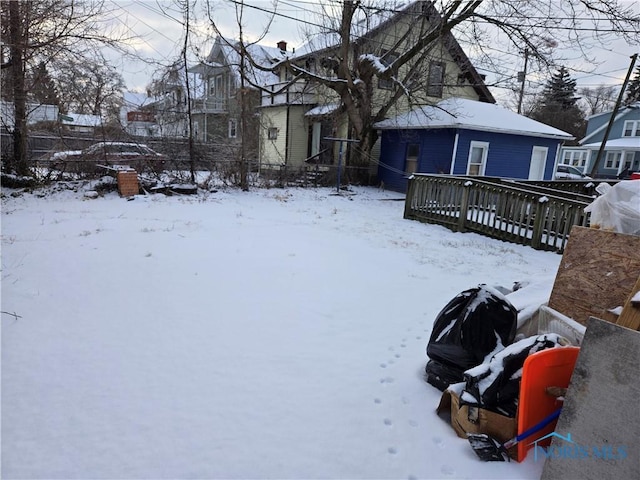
x=455, y=152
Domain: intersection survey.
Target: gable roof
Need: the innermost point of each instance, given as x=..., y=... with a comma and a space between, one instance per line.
x=623, y=112
x=468, y=114
x=227, y=48
x=384, y=18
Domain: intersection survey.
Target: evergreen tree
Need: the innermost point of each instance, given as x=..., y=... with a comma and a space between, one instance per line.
x=558, y=105
x=42, y=87
x=633, y=89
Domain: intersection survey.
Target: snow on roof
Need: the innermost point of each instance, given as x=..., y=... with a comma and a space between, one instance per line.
x=135, y=99
x=262, y=55
x=626, y=143
x=471, y=115
x=323, y=110
x=83, y=120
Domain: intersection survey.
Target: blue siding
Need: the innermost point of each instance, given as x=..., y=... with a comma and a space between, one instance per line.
x=435, y=151
x=616, y=128
x=509, y=155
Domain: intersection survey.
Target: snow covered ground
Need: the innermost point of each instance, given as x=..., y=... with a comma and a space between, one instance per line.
x=275, y=333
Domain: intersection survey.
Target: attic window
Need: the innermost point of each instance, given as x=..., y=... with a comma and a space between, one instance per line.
x=461, y=78
x=272, y=133
x=435, y=79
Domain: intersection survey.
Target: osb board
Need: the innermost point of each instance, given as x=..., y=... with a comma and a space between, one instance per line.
x=630, y=316
x=597, y=273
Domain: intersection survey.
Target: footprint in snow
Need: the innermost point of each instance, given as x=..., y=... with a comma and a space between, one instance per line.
x=448, y=470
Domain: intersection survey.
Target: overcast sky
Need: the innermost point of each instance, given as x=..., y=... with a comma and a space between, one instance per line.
x=157, y=25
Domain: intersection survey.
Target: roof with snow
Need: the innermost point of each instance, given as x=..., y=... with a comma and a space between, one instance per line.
x=264, y=56
x=625, y=143
x=83, y=120
x=468, y=114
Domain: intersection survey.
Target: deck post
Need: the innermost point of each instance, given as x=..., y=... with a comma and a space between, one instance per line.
x=464, y=206
x=538, y=222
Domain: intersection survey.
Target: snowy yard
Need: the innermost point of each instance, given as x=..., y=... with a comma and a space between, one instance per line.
x=269, y=334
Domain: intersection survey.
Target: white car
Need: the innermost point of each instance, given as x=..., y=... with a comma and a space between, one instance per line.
x=567, y=172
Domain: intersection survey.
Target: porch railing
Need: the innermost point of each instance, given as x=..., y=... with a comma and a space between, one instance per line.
x=539, y=217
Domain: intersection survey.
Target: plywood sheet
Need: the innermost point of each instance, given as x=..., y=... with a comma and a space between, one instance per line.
x=630, y=316
x=597, y=273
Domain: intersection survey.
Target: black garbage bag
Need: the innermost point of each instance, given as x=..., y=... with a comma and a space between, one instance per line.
x=475, y=323
x=495, y=385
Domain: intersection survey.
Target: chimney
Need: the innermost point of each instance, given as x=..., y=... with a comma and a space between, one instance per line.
x=282, y=45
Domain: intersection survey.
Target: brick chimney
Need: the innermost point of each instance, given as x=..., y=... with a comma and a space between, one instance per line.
x=282, y=45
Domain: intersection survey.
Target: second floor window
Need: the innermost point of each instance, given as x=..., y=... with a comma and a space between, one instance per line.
x=631, y=128
x=436, y=79
x=233, y=128
x=387, y=59
x=272, y=133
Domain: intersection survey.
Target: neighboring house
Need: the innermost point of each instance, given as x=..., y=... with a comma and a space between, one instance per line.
x=464, y=137
x=81, y=122
x=169, y=105
x=297, y=120
x=622, y=148
x=217, y=112
x=135, y=117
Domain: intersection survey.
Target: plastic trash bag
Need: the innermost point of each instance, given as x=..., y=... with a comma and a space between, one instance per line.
x=617, y=208
x=495, y=385
x=475, y=324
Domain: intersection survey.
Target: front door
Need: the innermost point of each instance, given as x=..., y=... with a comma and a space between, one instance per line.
x=538, y=162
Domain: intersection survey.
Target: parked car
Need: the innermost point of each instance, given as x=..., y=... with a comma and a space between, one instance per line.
x=567, y=172
x=111, y=155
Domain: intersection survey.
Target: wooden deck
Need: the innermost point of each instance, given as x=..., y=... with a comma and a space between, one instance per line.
x=518, y=212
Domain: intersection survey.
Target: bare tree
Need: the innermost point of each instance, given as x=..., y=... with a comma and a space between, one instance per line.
x=90, y=86
x=43, y=31
x=598, y=99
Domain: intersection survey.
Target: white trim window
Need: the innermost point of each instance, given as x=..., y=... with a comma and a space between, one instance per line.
x=631, y=128
x=612, y=160
x=233, y=128
x=575, y=158
x=476, y=163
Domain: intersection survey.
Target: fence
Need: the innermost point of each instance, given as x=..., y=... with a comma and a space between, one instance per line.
x=507, y=210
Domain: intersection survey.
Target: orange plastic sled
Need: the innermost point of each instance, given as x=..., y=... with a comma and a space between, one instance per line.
x=548, y=368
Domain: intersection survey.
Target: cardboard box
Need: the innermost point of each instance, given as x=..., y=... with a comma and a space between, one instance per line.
x=465, y=419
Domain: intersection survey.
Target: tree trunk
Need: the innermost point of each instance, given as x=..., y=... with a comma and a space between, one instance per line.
x=18, y=41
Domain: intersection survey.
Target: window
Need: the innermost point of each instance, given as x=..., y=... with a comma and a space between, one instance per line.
x=233, y=128
x=272, y=133
x=411, y=163
x=217, y=86
x=628, y=160
x=436, y=79
x=577, y=158
x=387, y=59
x=477, y=158
x=613, y=160
x=631, y=128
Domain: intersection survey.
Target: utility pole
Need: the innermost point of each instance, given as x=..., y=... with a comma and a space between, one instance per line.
x=594, y=168
x=521, y=77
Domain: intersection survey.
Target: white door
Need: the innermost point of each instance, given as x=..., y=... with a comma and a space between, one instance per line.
x=538, y=162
